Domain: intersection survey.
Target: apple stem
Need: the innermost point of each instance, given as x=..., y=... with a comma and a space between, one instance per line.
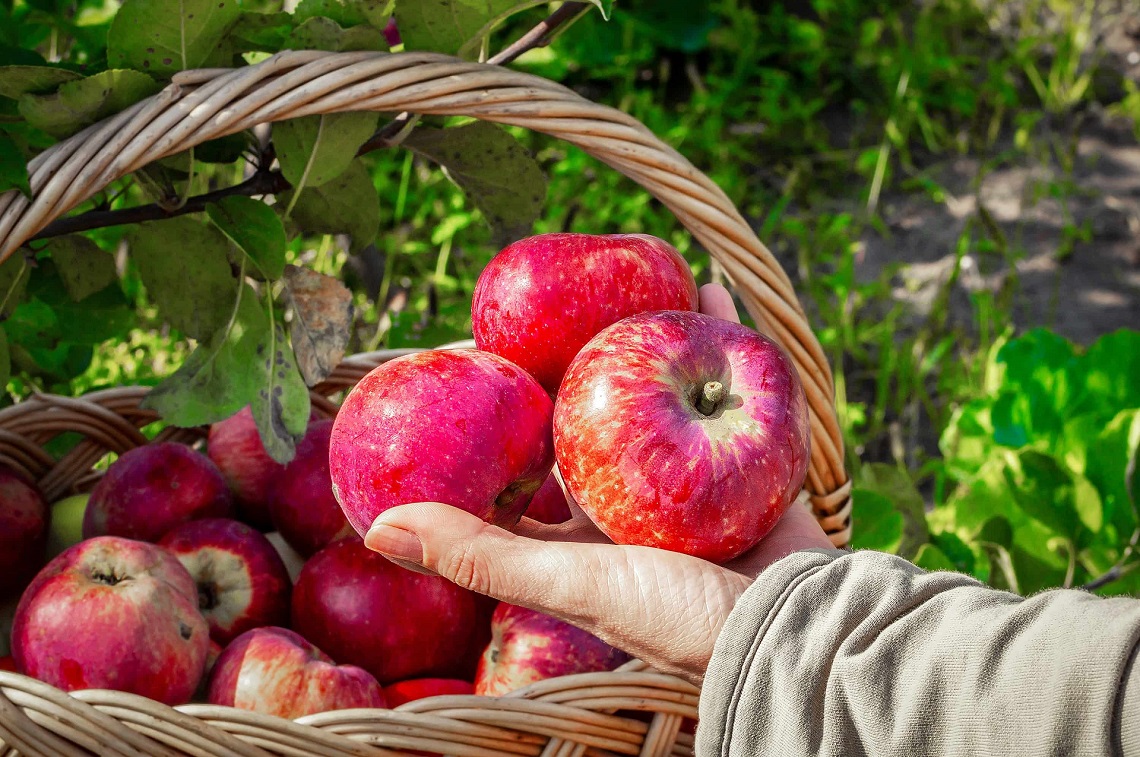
x=711, y=396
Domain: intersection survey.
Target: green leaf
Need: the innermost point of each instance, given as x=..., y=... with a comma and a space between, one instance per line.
x=5, y=359
x=16, y=81
x=1045, y=491
x=82, y=265
x=898, y=488
x=1041, y=367
x=262, y=32
x=14, y=275
x=325, y=34
x=314, y=150
x=13, y=167
x=1108, y=459
x=343, y=12
x=1111, y=371
x=496, y=172
x=347, y=205
x=160, y=39
x=185, y=267
x=957, y=551
x=876, y=524
x=81, y=103
x=245, y=362
x=255, y=229
x=322, y=321
x=930, y=557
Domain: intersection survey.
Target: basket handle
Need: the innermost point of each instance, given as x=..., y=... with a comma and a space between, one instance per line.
x=205, y=104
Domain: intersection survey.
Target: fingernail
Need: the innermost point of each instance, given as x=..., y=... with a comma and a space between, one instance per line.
x=395, y=542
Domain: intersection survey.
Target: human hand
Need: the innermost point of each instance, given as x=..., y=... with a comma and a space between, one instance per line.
x=665, y=608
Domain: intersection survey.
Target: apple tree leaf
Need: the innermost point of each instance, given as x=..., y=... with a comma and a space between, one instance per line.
x=162, y=38
x=81, y=103
x=16, y=81
x=322, y=321
x=13, y=167
x=261, y=32
x=347, y=13
x=84, y=267
x=255, y=229
x=185, y=267
x=497, y=173
x=349, y=204
x=245, y=362
x=320, y=33
x=314, y=150
x=14, y=275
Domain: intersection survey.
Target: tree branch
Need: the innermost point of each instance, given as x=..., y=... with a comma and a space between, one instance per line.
x=539, y=36
x=261, y=183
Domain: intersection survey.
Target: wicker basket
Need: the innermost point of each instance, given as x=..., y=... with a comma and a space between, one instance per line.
x=568, y=716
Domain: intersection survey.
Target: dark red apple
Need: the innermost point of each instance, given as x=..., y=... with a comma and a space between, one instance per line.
x=113, y=613
x=542, y=298
x=549, y=503
x=8, y=663
x=458, y=426
x=422, y=688
x=234, y=445
x=151, y=489
x=301, y=502
x=24, y=521
x=684, y=432
x=365, y=610
x=528, y=646
x=242, y=581
x=276, y=671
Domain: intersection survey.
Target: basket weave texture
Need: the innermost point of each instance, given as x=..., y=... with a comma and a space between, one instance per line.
x=567, y=716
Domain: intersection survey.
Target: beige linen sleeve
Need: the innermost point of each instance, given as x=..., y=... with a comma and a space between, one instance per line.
x=838, y=653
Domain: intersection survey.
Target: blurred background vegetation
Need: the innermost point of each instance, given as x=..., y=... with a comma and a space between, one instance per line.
x=953, y=186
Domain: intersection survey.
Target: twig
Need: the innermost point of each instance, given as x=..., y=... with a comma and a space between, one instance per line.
x=539, y=36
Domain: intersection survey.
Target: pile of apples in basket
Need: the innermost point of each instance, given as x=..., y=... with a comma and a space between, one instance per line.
x=229, y=578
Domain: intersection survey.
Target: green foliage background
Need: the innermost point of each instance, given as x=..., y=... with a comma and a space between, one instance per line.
x=1030, y=484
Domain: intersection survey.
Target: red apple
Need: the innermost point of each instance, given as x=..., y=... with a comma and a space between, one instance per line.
x=8, y=663
x=275, y=671
x=234, y=445
x=242, y=581
x=684, y=432
x=24, y=519
x=151, y=489
x=113, y=613
x=365, y=610
x=301, y=502
x=458, y=426
x=549, y=503
x=528, y=646
x=422, y=688
x=542, y=298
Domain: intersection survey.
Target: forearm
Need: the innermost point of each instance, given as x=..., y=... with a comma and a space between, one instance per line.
x=835, y=653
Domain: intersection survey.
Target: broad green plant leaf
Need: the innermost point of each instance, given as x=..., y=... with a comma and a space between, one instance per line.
x=1112, y=373
x=185, y=267
x=1109, y=457
x=163, y=38
x=348, y=204
x=322, y=321
x=898, y=488
x=321, y=33
x=497, y=173
x=347, y=13
x=255, y=229
x=83, y=266
x=261, y=32
x=16, y=81
x=314, y=150
x=876, y=524
x=458, y=27
x=930, y=557
x=245, y=362
x=81, y=103
x=13, y=167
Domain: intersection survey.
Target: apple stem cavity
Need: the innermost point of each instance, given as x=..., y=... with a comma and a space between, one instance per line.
x=711, y=397
x=207, y=597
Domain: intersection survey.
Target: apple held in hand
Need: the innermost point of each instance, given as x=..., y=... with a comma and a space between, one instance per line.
x=242, y=581
x=528, y=646
x=363, y=609
x=276, y=671
x=458, y=426
x=24, y=520
x=542, y=298
x=151, y=489
x=234, y=445
x=684, y=432
x=301, y=501
x=113, y=613
x=422, y=688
